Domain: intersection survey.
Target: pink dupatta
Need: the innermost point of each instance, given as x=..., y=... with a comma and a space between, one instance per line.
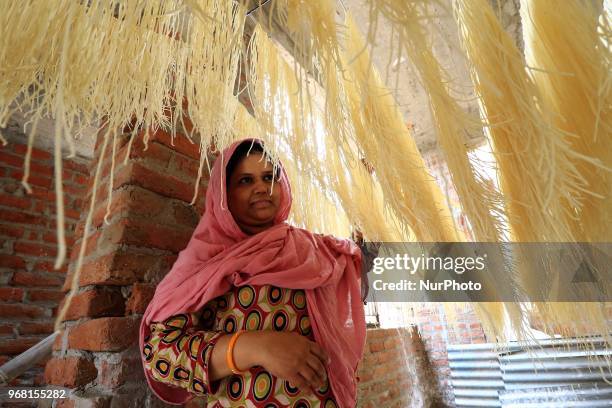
x=219, y=255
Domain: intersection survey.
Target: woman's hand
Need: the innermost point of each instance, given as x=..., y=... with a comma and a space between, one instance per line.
x=292, y=357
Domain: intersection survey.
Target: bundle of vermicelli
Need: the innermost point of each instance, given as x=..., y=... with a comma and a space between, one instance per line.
x=524, y=142
x=386, y=142
x=480, y=202
x=568, y=52
x=572, y=69
x=539, y=169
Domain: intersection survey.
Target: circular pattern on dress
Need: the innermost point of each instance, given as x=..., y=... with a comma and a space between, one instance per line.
x=171, y=336
x=147, y=351
x=234, y=387
x=194, y=346
x=229, y=326
x=177, y=321
x=302, y=403
x=206, y=351
x=182, y=342
x=271, y=405
x=279, y=321
x=162, y=367
x=180, y=374
x=275, y=294
x=289, y=389
x=198, y=386
x=246, y=296
x=298, y=298
x=330, y=403
x=253, y=321
x=304, y=324
x=262, y=386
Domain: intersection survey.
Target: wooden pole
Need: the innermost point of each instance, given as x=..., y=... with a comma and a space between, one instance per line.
x=21, y=363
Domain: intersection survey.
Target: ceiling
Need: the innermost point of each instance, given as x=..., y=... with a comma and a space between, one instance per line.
x=404, y=83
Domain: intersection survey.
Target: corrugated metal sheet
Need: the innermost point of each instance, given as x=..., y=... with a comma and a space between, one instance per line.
x=520, y=374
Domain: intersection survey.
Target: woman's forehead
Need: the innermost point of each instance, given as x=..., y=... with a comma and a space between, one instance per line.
x=252, y=163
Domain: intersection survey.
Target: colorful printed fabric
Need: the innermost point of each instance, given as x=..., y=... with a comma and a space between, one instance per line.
x=179, y=350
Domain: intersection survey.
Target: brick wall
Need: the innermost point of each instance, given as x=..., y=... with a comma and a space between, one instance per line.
x=438, y=329
x=396, y=371
x=150, y=221
x=29, y=287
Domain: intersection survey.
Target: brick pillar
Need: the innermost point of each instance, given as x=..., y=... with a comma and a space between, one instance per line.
x=151, y=220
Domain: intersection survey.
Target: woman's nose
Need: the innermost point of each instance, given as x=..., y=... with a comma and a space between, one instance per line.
x=260, y=186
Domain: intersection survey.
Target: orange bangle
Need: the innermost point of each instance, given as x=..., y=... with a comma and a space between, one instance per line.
x=229, y=355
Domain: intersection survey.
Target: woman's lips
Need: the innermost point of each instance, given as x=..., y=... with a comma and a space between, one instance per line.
x=261, y=203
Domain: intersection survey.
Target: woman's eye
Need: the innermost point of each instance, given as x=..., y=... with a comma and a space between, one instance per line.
x=244, y=180
x=268, y=177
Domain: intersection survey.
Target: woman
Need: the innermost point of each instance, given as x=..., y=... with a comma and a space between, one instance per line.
x=255, y=312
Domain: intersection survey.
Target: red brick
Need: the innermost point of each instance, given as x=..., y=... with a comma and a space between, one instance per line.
x=140, y=298
x=104, y=334
x=10, y=231
x=11, y=159
x=136, y=202
x=119, y=268
x=187, y=166
x=35, y=249
x=37, y=154
x=70, y=371
x=7, y=330
x=376, y=346
x=72, y=214
x=48, y=196
x=38, y=295
x=146, y=233
x=19, y=217
x=11, y=261
x=76, y=166
x=20, y=310
x=95, y=303
x=36, y=279
x=11, y=294
x=155, y=152
x=33, y=179
x=17, y=346
x=74, y=190
x=41, y=169
x=35, y=328
x=169, y=186
x=11, y=200
x=48, y=267
x=180, y=143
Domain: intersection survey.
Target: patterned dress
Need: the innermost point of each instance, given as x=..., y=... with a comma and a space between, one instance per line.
x=178, y=350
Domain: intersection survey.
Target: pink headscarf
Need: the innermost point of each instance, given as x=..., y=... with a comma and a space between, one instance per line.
x=220, y=255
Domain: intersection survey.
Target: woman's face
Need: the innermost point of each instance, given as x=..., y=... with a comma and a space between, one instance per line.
x=248, y=194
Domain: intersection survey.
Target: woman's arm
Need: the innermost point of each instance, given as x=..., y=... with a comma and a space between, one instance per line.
x=178, y=353
x=287, y=355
